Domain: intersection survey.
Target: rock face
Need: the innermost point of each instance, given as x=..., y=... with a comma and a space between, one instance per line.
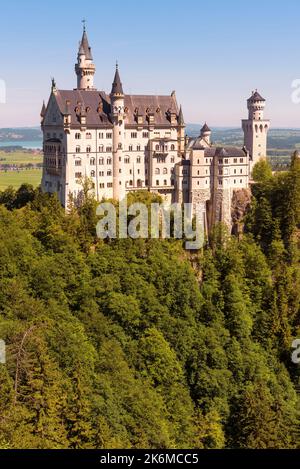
x=240, y=205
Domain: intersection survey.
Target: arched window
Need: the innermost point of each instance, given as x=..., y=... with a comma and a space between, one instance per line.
x=172, y=147
x=130, y=182
x=92, y=161
x=77, y=135
x=108, y=161
x=157, y=171
x=88, y=149
x=165, y=171
x=101, y=148
x=156, y=147
x=77, y=149
x=92, y=174
x=88, y=135
x=101, y=160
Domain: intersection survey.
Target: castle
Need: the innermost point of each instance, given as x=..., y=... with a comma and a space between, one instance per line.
x=125, y=143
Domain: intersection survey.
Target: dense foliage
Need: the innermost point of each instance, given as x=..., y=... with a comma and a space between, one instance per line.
x=138, y=343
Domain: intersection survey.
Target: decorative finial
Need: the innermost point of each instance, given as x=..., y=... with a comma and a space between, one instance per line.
x=83, y=22
x=117, y=65
x=53, y=84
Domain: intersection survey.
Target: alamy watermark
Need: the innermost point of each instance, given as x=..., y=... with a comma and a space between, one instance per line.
x=2, y=351
x=2, y=92
x=163, y=221
x=296, y=352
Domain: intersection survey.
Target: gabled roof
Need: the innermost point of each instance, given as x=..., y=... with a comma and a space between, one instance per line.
x=117, y=85
x=256, y=97
x=97, y=106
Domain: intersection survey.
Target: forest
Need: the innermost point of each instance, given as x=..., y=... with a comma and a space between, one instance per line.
x=142, y=344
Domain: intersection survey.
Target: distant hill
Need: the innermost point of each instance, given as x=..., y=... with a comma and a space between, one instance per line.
x=24, y=134
x=283, y=140
x=280, y=141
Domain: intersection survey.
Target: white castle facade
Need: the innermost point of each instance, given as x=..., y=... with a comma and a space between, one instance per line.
x=125, y=143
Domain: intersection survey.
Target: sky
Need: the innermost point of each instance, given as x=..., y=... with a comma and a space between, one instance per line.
x=213, y=53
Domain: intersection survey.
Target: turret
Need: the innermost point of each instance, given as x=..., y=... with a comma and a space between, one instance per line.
x=181, y=127
x=117, y=114
x=85, y=68
x=256, y=128
x=206, y=133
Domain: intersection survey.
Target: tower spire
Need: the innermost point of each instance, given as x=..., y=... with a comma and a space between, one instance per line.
x=84, y=68
x=117, y=88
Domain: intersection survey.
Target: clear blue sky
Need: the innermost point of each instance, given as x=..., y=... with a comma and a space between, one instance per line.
x=213, y=53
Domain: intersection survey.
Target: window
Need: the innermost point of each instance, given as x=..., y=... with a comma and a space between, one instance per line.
x=133, y=134
x=172, y=147
x=138, y=148
x=235, y=160
x=109, y=184
x=226, y=161
x=101, y=160
x=92, y=161
x=78, y=175
x=78, y=136
x=165, y=171
x=165, y=182
x=157, y=147
x=220, y=172
x=241, y=180
x=172, y=159
x=101, y=185
x=138, y=171
x=101, y=148
x=120, y=146
x=138, y=160
x=78, y=149
x=241, y=160
x=198, y=172
x=92, y=174
x=234, y=171
x=157, y=171
x=126, y=159
x=145, y=134
x=108, y=172
x=108, y=149
x=88, y=135
x=77, y=162
x=120, y=170
x=241, y=171
x=198, y=161
x=101, y=135
x=220, y=161
x=220, y=182
x=108, y=161
x=157, y=182
x=88, y=149
x=101, y=173
x=130, y=147
x=130, y=182
x=109, y=135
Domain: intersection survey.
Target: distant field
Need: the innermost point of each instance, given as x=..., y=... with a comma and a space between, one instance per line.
x=15, y=178
x=19, y=158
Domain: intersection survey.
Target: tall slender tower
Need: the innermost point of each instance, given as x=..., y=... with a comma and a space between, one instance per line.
x=181, y=133
x=256, y=128
x=85, y=68
x=118, y=117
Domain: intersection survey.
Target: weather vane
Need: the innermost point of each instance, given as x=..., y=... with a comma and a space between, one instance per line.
x=83, y=22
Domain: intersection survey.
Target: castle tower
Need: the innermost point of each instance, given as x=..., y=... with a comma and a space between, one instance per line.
x=181, y=127
x=206, y=133
x=256, y=129
x=118, y=117
x=85, y=68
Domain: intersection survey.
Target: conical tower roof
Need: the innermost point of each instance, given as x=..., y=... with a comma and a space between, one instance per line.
x=117, y=84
